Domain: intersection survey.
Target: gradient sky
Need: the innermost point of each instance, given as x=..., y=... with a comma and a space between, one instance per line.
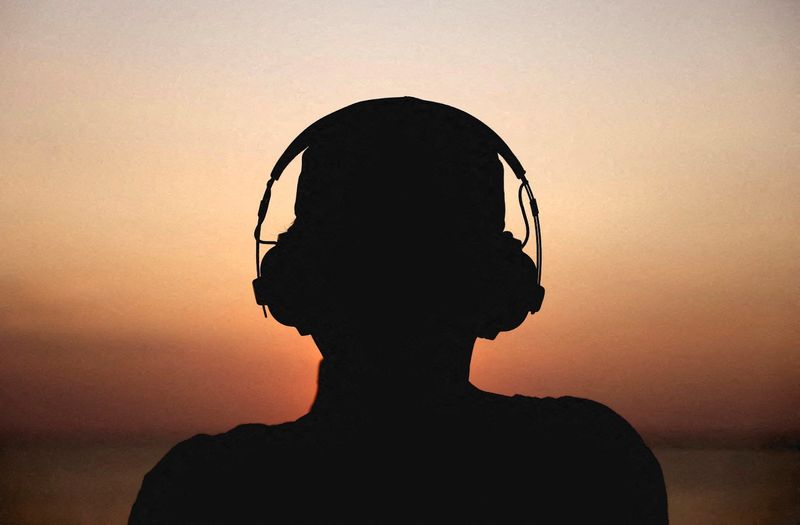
x=662, y=139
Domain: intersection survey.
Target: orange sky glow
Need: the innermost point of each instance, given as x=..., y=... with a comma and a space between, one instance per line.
x=663, y=143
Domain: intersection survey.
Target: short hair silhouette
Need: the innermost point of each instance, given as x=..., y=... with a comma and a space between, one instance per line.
x=397, y=260
x=403, y=198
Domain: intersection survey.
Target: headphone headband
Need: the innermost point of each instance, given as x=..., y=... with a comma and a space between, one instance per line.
x=304, y=138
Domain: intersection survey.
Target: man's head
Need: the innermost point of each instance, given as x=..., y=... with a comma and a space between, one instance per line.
x=399, y=230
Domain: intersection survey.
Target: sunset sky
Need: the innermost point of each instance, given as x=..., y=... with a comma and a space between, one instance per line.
x=662, y=140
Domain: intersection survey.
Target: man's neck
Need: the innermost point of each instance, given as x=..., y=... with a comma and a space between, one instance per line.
x=379, y=380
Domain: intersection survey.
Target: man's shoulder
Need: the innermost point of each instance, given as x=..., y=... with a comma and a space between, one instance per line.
x=204, y=465
x=577, y=413
x=563, y=423
x=241, y=437
x=572, y=442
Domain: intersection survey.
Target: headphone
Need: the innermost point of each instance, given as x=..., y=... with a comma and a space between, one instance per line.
x=299, y=144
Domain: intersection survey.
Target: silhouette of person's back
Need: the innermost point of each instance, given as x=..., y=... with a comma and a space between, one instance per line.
x=397, y=261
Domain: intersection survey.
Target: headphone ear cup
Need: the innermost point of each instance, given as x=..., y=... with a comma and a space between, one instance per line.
x=261, y=294
x=537, y=298
x=284, y=289
x=528, y=274
x=507, y=288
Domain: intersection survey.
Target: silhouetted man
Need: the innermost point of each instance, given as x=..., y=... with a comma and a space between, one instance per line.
x=397, y=261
